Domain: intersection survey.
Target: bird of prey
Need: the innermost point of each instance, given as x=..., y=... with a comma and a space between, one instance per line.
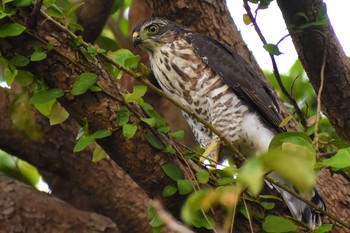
x=214, y=81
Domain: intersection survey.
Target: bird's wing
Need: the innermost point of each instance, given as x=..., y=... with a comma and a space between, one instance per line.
x=240, y=76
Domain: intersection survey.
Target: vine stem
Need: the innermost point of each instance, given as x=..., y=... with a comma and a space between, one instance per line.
x=194, y=115
x=275, y=67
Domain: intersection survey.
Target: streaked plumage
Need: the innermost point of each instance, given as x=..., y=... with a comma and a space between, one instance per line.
x=218, y=84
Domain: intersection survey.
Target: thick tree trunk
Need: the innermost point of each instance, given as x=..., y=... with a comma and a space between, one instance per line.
x=99, y=187
x=24, y=209
x=314, y=44
x=136, y=156
x=318, y=48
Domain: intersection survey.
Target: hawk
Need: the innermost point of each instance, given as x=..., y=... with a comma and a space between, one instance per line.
x=218, y=84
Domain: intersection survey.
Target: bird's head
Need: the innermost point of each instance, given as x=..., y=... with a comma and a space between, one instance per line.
x=153, y=33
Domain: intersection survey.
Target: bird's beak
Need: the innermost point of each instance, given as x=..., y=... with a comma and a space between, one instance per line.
x=136, y=40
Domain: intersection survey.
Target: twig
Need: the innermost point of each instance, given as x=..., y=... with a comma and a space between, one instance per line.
x=275, y=67
x=169, y=220
x=248, y=215
x=319, y=93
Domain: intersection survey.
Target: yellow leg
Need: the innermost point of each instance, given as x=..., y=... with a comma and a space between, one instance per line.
x=212, y=152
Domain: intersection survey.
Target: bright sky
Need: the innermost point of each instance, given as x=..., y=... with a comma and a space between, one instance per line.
x=273, y=28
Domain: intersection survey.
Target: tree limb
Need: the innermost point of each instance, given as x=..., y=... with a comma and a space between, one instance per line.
x=25, y=209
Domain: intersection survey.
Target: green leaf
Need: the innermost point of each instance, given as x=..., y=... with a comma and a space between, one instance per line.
x=11, y=29
x=323, y=228
x=83, y=83
x=202, y=177
x=24, y=78
x=98, y=154
x=156, y=221
x=173, y=171
x=169, y=149
x=38, y=56
x=251, y=174
x=296, y=138
x=338, y=161
x=123, y=116
x=126, y=58
x=129, y=131
x=149, y=121
x=278, y=224
x=58, y=114
x=45, y=108
x=83, y=142
x=267, y=205
x=95, y=89
x=44, y=96
x=3, y=14
x=101, y=133
x=185, y=186
x=19, y=61
x=177, y=134
x=291, y=166
x=272, y=49
x=10, y=73
x=169, y=190
x=154, y=141
x=21, y=3
x=136, y=95
x=86, y=140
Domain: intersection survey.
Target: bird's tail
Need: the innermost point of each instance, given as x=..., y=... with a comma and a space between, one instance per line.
x=298, y=208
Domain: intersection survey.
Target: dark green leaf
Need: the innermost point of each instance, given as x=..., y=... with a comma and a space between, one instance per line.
x=272, y=49
x=323, y=228
x=22, y=2
x=169, y=190
x=123, y=116
x=19, y=61
x=11, y=29
x=83, y=83
x=278, y=224
x=154, y=141
x=173, y=171
x=185, y=186
x=129, y=131
x=46, y=95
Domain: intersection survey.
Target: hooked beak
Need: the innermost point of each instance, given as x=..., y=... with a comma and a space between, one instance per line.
x=136, y=40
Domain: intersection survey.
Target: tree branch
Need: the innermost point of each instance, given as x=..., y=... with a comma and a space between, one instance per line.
x=27, y=210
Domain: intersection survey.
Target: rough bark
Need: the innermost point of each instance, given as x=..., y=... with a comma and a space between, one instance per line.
x=100, y=187
x=311, y=44
x=314, y=44
x=24, y=209
x=60, y=69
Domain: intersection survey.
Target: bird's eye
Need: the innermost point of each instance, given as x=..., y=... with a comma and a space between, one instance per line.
x=153, y=29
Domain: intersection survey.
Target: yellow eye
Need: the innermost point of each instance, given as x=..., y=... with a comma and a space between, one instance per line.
x=153, y=29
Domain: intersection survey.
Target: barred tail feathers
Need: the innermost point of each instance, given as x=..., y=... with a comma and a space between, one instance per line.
x=298, y=208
